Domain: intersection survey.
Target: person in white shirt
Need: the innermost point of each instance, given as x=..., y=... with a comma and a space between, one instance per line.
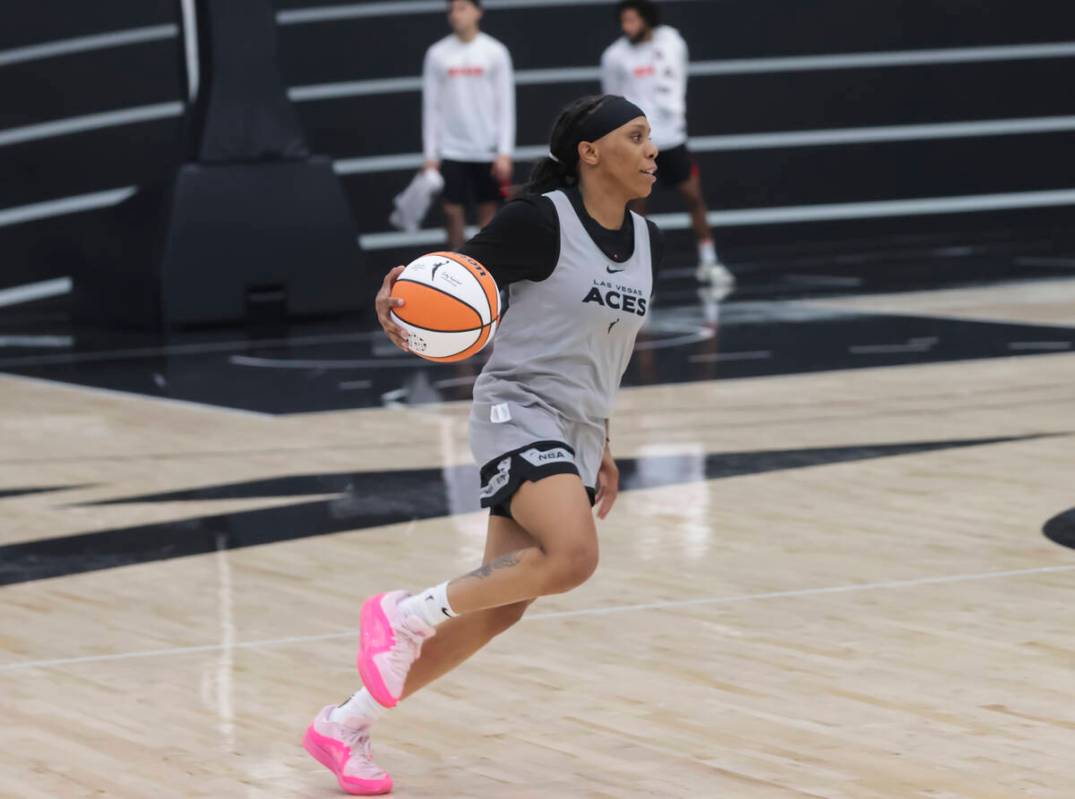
x=468, y=118
x=648, y=66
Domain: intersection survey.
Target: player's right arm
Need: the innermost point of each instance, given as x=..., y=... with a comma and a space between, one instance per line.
x=522, y=242
x=385, y=303
x=431, y=121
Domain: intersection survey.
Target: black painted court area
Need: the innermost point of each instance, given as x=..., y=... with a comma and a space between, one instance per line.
x=766, y=327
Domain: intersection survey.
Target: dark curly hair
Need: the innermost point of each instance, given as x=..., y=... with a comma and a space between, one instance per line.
x=646, y=9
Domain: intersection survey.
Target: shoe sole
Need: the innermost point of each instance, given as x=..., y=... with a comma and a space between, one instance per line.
x=328, y=760
x=371, y=617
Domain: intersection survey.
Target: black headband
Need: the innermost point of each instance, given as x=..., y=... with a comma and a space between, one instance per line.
x=610, y=113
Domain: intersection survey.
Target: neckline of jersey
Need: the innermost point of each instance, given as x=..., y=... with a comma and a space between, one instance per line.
x=602, y=236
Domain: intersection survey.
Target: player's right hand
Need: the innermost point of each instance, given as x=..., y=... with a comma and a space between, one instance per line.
x=385, y=302
x=434, y=165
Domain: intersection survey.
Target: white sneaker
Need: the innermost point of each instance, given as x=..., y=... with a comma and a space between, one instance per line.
x=715, y=273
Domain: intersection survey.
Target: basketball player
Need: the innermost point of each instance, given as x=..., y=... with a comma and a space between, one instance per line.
x=578, y=267
x=648, y=66
x=468, y=118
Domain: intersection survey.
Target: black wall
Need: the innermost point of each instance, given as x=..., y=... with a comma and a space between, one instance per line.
x=367, y=48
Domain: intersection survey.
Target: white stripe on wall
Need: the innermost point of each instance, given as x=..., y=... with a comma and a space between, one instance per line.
x=105, y=119
x=353, y=88
x=757, y=141
x=739, y=66
x=745, y=216
x=364, y=88
x=809, y=138
x=789, y=214
x=884, y=133
x=34, y=291
x=83, y=44
x=395, y=8
x=64, y=205
x=892, y=58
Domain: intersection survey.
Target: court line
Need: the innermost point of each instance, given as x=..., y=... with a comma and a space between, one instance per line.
x=603, y=611
x=137, y=397
x=190, y=349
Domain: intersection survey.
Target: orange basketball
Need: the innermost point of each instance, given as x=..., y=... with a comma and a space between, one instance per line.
x=451, y=306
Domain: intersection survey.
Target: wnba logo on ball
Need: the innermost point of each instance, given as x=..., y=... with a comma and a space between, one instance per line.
x=451, y=306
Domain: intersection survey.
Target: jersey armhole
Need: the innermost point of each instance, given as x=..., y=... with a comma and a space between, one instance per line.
x=547, y=208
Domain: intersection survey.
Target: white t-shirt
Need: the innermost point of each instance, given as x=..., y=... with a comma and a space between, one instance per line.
x=468, y=100
x=653, y=76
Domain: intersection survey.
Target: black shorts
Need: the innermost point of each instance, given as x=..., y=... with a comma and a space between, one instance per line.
x=469, y=181
x=501, y=477
x=675, y=166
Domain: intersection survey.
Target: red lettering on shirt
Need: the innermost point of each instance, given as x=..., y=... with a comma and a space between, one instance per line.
x=649, y=69
x=465, y=72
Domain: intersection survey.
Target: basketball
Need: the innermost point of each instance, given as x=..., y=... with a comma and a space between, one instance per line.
x=451, y=306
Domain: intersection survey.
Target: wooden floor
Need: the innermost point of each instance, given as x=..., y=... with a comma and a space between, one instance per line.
x=893, y=627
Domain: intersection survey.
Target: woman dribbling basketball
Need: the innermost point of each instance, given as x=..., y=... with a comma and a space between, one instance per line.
x=579, y=271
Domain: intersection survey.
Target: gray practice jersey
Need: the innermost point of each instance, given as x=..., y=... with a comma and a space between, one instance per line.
x=565, y=341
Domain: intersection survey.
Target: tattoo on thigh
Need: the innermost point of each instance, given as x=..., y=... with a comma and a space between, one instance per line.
x=503, y=562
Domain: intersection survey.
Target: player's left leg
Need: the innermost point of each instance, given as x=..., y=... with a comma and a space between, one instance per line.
x=339, y=737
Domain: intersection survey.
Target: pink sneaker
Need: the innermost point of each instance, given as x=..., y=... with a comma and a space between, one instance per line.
x=388, y=644
x=346, y=752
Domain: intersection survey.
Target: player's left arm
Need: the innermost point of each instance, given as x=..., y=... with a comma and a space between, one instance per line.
x=608, y=479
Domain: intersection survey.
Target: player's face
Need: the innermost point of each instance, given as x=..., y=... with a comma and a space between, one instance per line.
x=463, y=16
x=631, y=157
x=634, y=27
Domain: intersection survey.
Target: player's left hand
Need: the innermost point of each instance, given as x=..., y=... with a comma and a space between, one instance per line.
x=502, y=169
x=608, y=484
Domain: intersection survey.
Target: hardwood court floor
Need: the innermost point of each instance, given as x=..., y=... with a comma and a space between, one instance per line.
x=867, y=626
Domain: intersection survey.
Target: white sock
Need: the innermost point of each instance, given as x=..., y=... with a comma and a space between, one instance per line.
x=707, y=253
x=361, y=706
x=430, y=605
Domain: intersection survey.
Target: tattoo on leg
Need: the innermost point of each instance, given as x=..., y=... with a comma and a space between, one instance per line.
x=503, y=562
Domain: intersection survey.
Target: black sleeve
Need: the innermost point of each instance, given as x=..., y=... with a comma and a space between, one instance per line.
x=521, y=243
x=656, y=247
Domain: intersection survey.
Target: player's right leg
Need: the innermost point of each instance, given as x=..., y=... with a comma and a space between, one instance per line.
x=459, y=638
x=556, y=512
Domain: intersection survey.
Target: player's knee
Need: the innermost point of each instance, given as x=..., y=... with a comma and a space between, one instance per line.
x=573, y=567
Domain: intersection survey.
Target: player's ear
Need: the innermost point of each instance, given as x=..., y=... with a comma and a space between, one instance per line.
x=588, y=153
